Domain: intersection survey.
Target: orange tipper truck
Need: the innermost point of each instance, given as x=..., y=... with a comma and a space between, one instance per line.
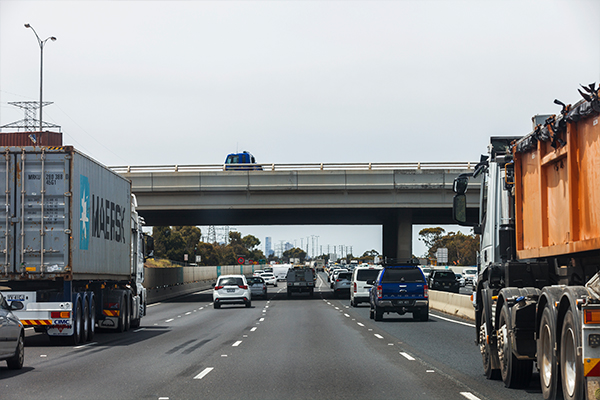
x=537, y=299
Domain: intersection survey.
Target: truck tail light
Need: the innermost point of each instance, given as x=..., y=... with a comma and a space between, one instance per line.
x=591, y=316
x=426, y=291
x=112, y=306
x=379, y=291
x=60, y=314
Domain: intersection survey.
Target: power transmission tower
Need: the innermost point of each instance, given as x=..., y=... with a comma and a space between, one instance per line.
x=29, y=123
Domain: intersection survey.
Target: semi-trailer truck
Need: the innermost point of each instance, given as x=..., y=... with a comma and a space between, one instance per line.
x=537, y=297
x=71, y=243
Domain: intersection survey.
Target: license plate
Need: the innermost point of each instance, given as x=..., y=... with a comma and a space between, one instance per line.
x=230, y=290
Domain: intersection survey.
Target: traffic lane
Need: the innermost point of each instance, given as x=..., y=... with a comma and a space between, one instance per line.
x=305, y=349
x=133, y=364
x=445, y=343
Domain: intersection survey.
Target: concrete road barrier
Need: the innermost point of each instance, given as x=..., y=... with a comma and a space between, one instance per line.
x=450, y=303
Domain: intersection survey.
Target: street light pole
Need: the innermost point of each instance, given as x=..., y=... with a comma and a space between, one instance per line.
x=41, y=43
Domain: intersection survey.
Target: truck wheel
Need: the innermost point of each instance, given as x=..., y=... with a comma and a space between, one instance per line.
x=85, y=321
x=122, y=315
x=546, y=356
x=378, y=314
x=371, y=313
x=127, y=300
x=92, y=319
x=486, y=352
x=16, y=361
x=289, y=293
x=570, y=361
x=515, y=373
x=312, y=293
x=422, y=314
x=75, y=338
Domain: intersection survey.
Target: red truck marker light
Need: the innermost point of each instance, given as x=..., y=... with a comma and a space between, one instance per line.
x=60, y=314
x=591, y=316
x=379, y=291
x=426, y=291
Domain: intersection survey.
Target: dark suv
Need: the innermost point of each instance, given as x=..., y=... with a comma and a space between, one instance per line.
x=444, y=280
x=399, y=289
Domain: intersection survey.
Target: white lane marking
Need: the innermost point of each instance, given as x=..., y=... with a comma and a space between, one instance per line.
x=451, y=320
x=169, y=320
x=407, y=356
x=261, y=320
x=43, y=356
x=346, y=315
x=153, y=304
x=139, y=330
x=390, y=344
x=430, y=370
x=360, y=324
x=469, y=396
x=85, y=345
x=204, y=373
x=236, y=344
x=163, y=398
x=201, y=308
x=188, y=313
x=253, y=329
x=223, y=355
x=378, y=336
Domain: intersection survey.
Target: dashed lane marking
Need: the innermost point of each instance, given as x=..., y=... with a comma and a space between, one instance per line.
x=204, y=373
x=170, y=320
x=253, y=329
x=469, y=396
x=360, y=324
x=378, y=336
x=407, y=356
x=236, y=344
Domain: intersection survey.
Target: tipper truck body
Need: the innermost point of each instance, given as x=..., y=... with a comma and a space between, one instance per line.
x=71, y=243
x=537, y=298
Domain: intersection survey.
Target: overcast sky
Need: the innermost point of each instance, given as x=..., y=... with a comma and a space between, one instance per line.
x=151, y=82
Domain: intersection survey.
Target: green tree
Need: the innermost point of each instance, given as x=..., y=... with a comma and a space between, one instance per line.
x=462, y=249
x=168, y=243
x=250, y=242
x=295, y=253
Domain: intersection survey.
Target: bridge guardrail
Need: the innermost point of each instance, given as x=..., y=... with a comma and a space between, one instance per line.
x=297, y=167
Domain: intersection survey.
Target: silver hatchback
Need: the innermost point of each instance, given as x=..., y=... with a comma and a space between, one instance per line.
x=12, y=334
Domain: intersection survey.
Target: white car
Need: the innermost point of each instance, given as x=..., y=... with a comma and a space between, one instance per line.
x=12, y=334
x=470, y=275
x=232, y=289
x=269, y=278
x=335, y=274
x=359, y=288
x=258, y=272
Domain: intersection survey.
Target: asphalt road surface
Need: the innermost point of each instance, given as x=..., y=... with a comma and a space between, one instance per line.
x=280, y=348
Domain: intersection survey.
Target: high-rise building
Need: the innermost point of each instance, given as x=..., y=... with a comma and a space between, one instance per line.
x=268, y=246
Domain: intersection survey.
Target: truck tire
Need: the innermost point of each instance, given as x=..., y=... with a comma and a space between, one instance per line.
x=515, y=373
x=312, y=293
x=571, y=363
x=371, y=313
x=122, y=315
x=289, y=293
x=378, y=314
x=486, y=352
x=547, y=359
x=128, y=312
x=92, y=318
x=16, y=361
x=422, y=314
x=77, y=321
x=85, y=321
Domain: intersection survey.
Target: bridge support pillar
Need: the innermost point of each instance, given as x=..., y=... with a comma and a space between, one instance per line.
x=397, y=235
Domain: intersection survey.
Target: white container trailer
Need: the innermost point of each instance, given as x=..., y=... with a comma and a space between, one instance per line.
x=70, y=243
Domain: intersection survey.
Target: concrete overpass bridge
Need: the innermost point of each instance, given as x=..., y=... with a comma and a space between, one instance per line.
x=393, y=195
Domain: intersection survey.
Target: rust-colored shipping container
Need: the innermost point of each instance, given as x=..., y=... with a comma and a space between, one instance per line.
x=45, y=138
x=557, y=185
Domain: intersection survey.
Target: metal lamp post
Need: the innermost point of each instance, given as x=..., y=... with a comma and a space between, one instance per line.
x=41, y=43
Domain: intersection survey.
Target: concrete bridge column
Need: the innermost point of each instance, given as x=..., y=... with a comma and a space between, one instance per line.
x=397, y=235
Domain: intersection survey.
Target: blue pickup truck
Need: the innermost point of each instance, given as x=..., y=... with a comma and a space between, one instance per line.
x=399, y=288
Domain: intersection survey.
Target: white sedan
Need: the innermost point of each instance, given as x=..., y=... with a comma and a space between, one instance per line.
x=269, y=278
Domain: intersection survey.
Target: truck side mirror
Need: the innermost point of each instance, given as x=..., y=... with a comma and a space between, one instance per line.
x=461, y=183
x=16, y=305
x=459, y=208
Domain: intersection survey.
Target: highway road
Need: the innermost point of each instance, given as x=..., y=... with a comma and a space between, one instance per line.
x=280, y=348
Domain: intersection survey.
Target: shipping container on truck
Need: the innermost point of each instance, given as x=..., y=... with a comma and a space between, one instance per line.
x=71, y=246
x=538, y=294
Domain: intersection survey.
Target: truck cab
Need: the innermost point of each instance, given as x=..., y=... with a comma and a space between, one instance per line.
x=243, y=161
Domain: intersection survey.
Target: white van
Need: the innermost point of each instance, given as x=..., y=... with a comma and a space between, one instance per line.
x=359, y=289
